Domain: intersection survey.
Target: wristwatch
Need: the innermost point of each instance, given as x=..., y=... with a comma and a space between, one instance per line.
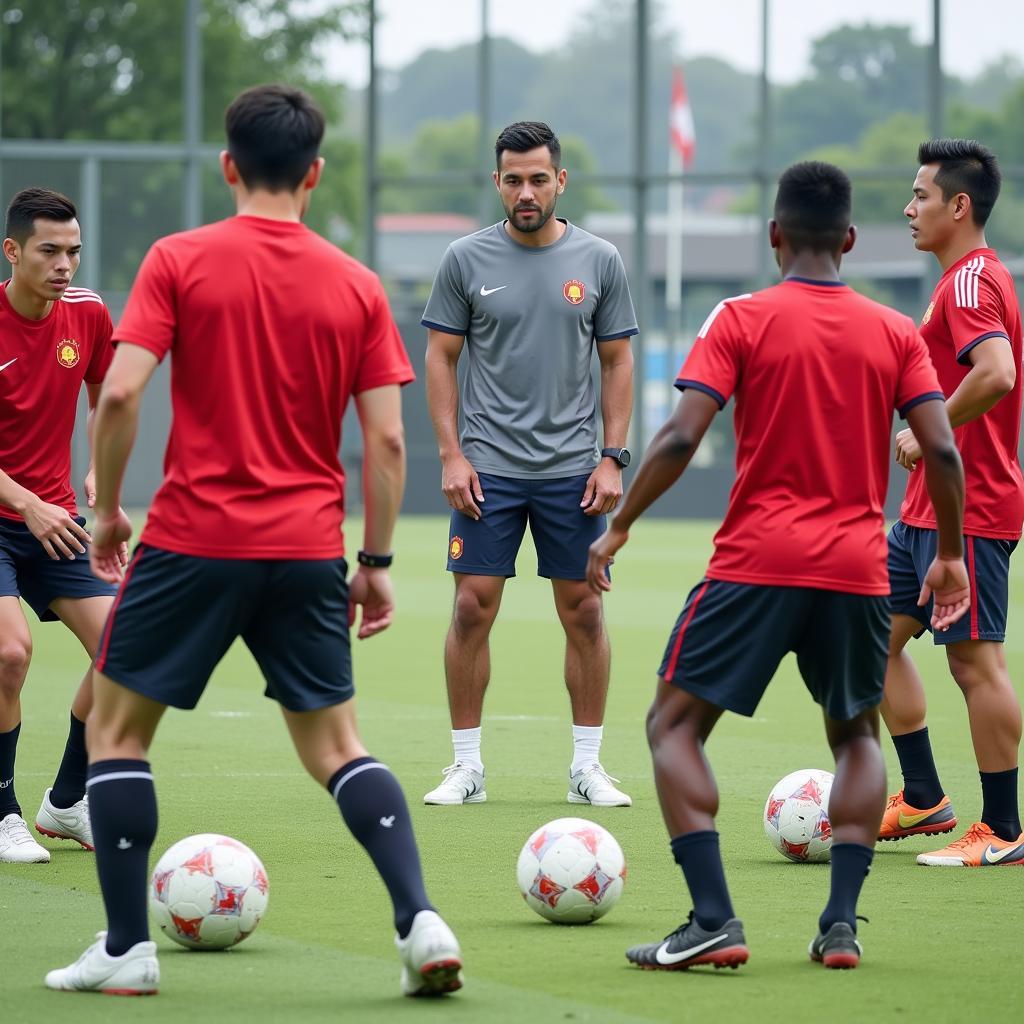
x=620, y=455
x=373, y=561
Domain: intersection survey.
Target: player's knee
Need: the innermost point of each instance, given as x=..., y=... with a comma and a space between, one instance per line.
x=967, y=675
x=585, y=618
x=474, y=610
x=15, y=656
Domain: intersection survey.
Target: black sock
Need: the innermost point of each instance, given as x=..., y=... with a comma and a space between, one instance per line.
x=122, y=807
x=69, y=786
x=697, y=853
x=921, y=786
x=374, y=809
x=850, y=865
x=8, y=748
x=999, y=803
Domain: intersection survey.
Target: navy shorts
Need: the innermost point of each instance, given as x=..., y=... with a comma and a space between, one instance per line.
x=911, y=550
x=27, y=571
x=730, y=637
x=561, y=532
x=175, y=617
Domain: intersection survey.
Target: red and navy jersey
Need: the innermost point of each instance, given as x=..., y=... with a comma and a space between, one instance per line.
x=975, y=300
x=271, y=329
x=42, y=366
x=817, y=371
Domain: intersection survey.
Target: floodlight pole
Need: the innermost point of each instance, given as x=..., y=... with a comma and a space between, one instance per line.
x=370, y=172
x=936, y=121
x=485, y=198
x=192, y=107
x=764, y=159
x=641, y=289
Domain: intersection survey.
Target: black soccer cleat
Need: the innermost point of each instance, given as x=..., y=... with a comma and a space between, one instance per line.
x=690, y=945
x=837, y=948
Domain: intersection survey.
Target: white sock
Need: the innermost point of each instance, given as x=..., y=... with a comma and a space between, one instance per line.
x=466, y=743
x=586, y=746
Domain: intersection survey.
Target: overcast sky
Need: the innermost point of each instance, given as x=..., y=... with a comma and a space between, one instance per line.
x=728, y=29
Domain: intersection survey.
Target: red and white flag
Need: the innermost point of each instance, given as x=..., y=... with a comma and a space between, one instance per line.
x=680, y=119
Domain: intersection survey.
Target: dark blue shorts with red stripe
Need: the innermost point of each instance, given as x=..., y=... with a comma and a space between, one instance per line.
x=911, y=550
x=729, y=638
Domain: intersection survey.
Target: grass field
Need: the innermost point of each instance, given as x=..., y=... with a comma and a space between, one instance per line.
x=940, y=943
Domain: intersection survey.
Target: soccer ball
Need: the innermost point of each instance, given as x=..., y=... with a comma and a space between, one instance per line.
x=571, y=871
x=208, y=892
x=796, y=816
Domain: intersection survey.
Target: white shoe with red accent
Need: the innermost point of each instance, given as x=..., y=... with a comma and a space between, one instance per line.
x=65, y=822
x=431, y=958
x=134, y=973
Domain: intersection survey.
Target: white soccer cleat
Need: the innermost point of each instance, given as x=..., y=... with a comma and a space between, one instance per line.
x=17, y=845
x=431, y=958
x=65, y=822
x=462, y=785
x=594, y=786
x=134, y=973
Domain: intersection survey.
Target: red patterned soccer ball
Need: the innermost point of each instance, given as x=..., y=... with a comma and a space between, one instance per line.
x=796, y=816
x=571, y=871
x=208, y=892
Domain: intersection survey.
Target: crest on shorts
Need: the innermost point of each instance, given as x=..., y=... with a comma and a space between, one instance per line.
x=67, y=352
x=574, y=292
x=455, y=548
x=928, y=313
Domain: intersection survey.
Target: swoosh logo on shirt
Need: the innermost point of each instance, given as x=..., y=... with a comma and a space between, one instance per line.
x=663, y=956
x=8, y=363
x=994, y=856
x=490, y=291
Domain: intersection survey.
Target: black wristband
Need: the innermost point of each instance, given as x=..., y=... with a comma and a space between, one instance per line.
x=374, y=561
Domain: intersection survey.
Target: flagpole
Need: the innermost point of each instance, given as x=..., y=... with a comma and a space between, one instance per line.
x=674, y=261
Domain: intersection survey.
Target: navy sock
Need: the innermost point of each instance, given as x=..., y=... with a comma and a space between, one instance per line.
x=374, y=809
x=122, y=807
x=850, y=865
x=8, y=748
x=921, y=786
x=999, y=803
x=69, y=786
x=697, y=853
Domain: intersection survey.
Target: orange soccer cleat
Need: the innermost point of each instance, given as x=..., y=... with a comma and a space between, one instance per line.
x=979, y=847
x=901, y=820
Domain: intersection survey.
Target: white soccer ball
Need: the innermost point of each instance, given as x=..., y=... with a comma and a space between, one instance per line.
x=796, y=816
x=208, y=892
x=571, y=871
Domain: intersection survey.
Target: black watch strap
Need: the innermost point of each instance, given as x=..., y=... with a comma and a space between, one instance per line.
x=372, y=561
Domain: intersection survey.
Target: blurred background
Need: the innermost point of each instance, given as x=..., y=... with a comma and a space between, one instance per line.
x=675, y=121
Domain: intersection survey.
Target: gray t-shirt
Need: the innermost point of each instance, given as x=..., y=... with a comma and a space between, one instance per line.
x=531, y=317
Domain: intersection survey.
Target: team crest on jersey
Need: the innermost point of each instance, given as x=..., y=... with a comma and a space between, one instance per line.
x=67, y=352
x=455, y=548
x=927, y=313
x=574, y=292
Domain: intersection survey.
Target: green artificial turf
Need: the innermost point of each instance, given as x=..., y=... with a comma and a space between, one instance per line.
x=939, y=942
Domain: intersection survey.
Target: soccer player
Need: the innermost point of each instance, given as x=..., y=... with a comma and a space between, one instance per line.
x=529, y=299
x=271, y=330
x=817, y=371
x=53, y=337
x=973, y=331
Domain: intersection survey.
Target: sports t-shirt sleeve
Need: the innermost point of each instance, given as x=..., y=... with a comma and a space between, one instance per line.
x=918, y=382
x=448, y=306
x=974, y=311
x=615, y=316
x=713, y=364
x=102, y=349
x=149, y=319
x=383, y=359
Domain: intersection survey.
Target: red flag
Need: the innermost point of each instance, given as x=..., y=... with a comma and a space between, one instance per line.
x=680, y=119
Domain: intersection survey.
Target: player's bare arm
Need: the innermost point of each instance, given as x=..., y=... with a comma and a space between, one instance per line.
x=380, y=417
x=666, y=458
x=53, y=526
x=459, y=482
x=116, y=422
x=604, y=488
x=946, y=579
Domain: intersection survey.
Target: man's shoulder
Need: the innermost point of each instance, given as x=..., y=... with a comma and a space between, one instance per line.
x=595, y=243
x=85, y=298
x=477, y=241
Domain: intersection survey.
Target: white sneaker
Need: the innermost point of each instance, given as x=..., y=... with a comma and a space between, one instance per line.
x=593, y=785
x=462, y=785
x=431, y=958
x=135, y=973
x=65, y=822
x=17, y=845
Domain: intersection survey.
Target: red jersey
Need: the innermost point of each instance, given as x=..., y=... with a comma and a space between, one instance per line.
x=271, y=329
x=817, y=370
x=42, y=366
x=973, y=301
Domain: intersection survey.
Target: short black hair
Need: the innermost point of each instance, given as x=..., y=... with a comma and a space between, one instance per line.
x=274, y=134
x=32, y=204
x=965, y=166
x=523, y=136
x=813, y=206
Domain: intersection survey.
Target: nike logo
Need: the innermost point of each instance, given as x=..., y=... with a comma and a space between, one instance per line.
x=388, y=821
x=910, y=820
x=663, y=956
x=124, y=844
x=8, y=363
x=483, y=291
x=994, y=856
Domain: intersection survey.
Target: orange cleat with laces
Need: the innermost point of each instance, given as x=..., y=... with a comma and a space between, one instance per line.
x=902, y=820
x=979, y=847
